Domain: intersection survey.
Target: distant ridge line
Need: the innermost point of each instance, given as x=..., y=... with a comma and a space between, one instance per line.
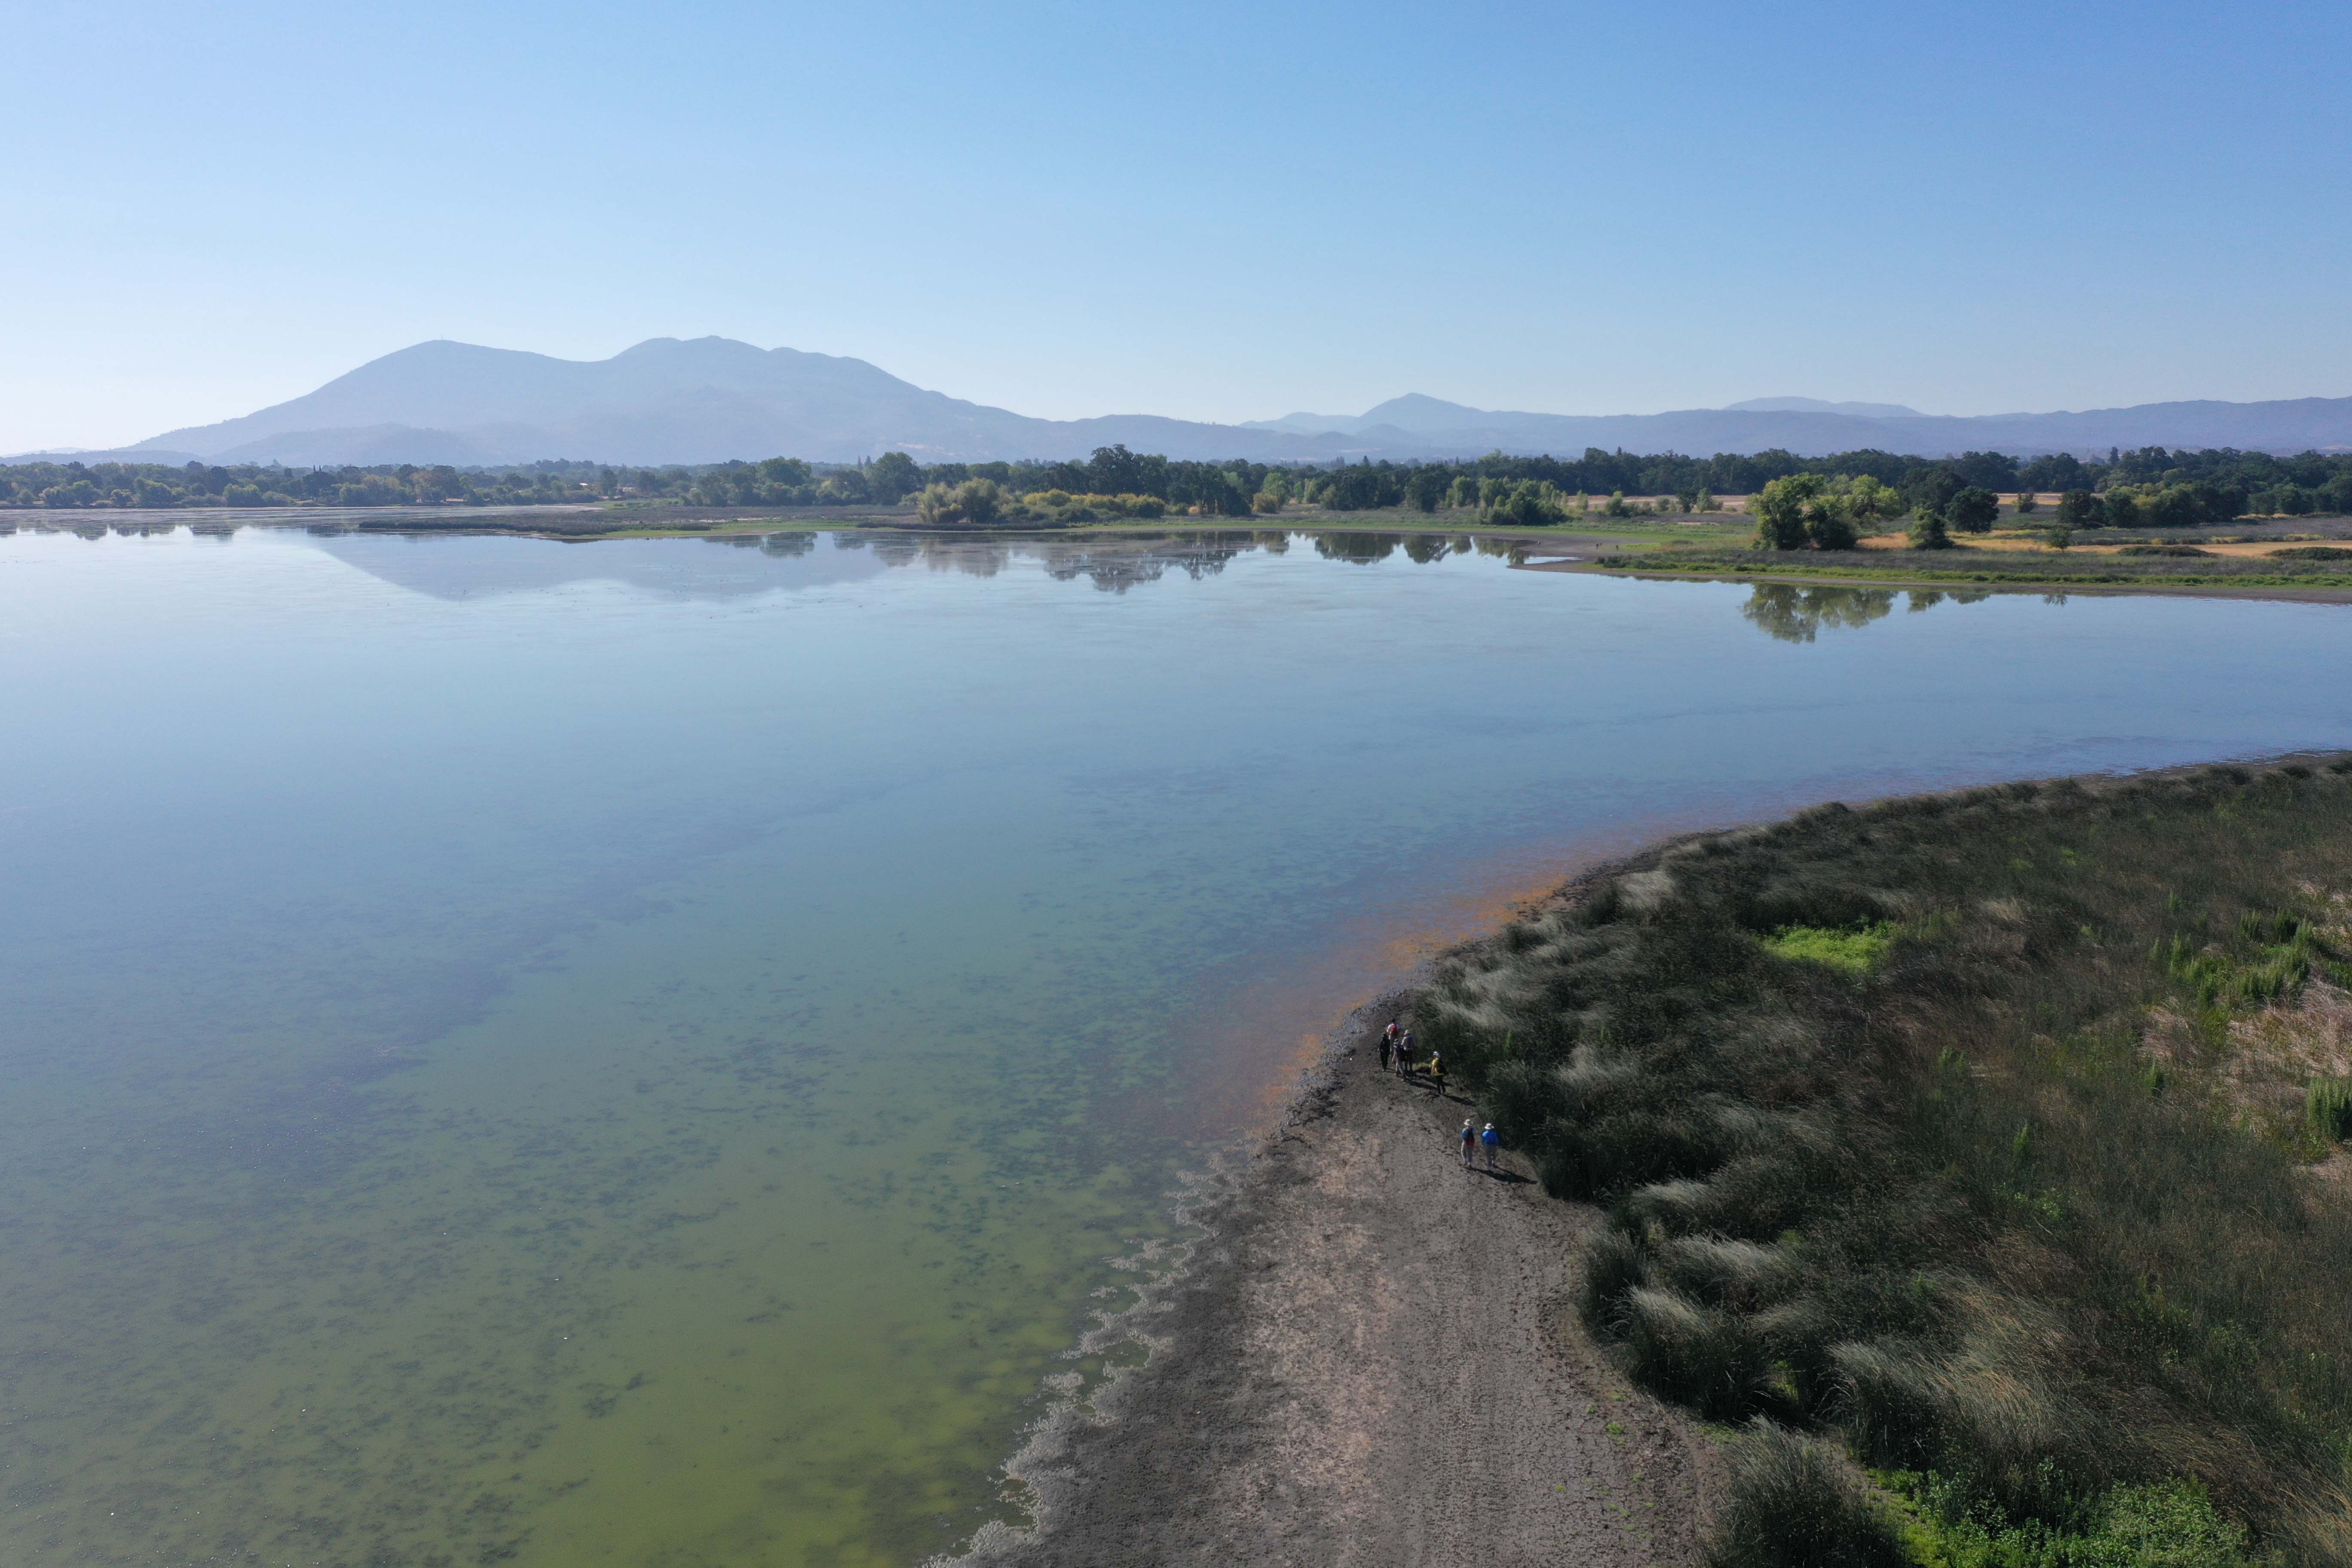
x=705, y=400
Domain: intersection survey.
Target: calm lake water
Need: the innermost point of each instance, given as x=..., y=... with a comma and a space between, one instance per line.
x=646, y=1053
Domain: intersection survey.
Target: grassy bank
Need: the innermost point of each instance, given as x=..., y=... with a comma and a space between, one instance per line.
x=1990, y=1138
x=2028, y=568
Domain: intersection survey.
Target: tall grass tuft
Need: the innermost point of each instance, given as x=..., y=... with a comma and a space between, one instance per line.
x=1793, y=1504
x=2327, y=1106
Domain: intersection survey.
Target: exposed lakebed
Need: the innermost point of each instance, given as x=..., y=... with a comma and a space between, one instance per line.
x=648, y=1052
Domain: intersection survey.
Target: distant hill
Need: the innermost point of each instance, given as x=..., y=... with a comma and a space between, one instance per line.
x=1815, y=405
x=1811, y=427
x=668, y=401
x=710, y=399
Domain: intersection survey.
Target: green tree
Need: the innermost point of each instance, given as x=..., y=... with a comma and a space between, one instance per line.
x=2174, y=506
x=439, y=483
x=2025, y=503
x=975, y=502
x=2123, y=508
x=892, y=477
x=1426, y=490
x=1530, y=504
x=1779, y=509
x=2080, y=509
x=1464, y=493
x=1828, y=525
x=1972, y=510
x=1115, y=471
x=1932, y=488
x=1869, y=501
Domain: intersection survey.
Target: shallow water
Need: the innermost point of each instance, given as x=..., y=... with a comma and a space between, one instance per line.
x=644, y=1052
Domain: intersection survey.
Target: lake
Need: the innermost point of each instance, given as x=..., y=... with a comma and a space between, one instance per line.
x=654, y=1052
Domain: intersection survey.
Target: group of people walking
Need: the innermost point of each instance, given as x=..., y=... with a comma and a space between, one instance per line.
x=1396, y=1055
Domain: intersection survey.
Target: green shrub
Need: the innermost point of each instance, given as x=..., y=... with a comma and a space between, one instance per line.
x=1930, y=532
x=2167, y=1524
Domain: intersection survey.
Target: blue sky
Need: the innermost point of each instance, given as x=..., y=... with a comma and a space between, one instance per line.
x=1215, y=211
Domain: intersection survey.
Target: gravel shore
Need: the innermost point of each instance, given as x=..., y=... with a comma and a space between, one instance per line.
x=1372, y=1360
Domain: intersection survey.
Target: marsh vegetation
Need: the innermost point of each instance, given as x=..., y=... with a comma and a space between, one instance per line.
x=1990, y=1139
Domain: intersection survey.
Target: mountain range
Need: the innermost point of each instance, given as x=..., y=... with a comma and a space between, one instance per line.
x=705, y=400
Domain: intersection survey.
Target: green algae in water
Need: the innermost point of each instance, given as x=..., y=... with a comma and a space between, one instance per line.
x=641, y=1053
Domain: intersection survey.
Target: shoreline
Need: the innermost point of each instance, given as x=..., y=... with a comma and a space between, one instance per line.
x=2317, y=594
x=1547, y=546
x=1368, y=1357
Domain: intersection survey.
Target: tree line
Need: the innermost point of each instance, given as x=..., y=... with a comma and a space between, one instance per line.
x=2152, y=489
x=151, y=485
x=2151, y=485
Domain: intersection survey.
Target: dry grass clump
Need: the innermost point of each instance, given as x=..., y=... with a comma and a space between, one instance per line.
x=1975, y=1127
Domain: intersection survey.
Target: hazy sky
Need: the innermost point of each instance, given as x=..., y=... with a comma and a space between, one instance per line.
x=1216, y=211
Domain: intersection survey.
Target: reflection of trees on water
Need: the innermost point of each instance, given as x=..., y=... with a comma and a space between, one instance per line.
x=1357, y=549
x=1112, y=563
x=1115, y=571
x=1117, y=562
x=1796, y=614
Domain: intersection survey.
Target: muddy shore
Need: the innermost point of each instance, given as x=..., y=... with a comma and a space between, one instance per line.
x=1372, y=1359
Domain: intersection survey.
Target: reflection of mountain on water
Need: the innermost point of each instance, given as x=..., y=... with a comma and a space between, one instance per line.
x=734, y=565
x=1797, y=615
x=478, y=566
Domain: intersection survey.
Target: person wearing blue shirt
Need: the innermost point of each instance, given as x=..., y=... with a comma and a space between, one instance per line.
x=1490, y=1138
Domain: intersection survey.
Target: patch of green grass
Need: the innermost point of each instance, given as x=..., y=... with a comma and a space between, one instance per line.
x=2165, y=1524
x=2039, y=568
x=1856, y=951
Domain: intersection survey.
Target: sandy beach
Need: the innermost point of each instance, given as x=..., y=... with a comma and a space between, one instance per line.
x=1372, y=1360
